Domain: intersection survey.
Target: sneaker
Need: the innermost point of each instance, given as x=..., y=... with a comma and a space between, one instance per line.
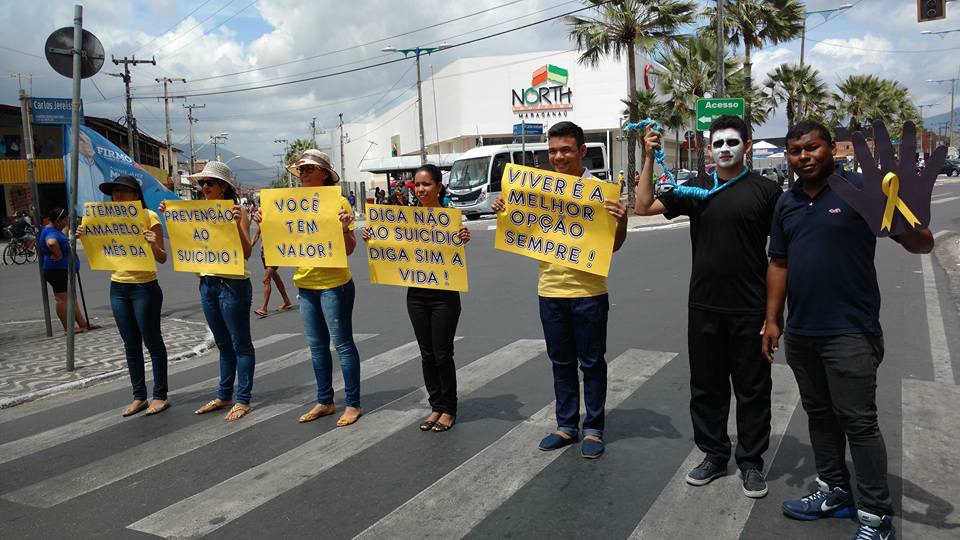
x=705, y=472
x=754, y=485
x=822, y=503
x=874, y=527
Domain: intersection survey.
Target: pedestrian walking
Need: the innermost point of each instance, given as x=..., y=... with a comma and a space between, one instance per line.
x=136, y=300
x=822, y=263
x=55, y=250
x=270, y=274
x=573, y=311
x=226, y=302
x=434, y=314
x=730, y=213
x=326, y=304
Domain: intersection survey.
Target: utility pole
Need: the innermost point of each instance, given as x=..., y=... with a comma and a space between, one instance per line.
x=953, y=91
x=190, y=121
x=313, y=131
x=166, y=113
x=721, y=48
x=132, y=139
x=343, y=171
x=27, y=122
x=923, y=128
x=417, y=51
x=215, y=140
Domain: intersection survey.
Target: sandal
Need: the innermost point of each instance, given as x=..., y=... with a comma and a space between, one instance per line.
x=345, y=420
x=285, y=307
x=212, y=405
x=428, y=423
x=238, y=411
x=261, y=313
x=440, y=427
x=310, y=416
x=134, y=409
x=157, y=410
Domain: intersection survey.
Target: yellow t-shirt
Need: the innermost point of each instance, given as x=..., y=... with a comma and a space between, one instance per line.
x=557, y=281
x=318, y=279
x=150, y=218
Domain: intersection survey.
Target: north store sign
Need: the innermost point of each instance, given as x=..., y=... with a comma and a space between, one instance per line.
x=544, y=99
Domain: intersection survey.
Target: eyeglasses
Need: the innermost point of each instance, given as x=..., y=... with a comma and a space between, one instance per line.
x=208, y=182
x=718, y=144
x=307, y=169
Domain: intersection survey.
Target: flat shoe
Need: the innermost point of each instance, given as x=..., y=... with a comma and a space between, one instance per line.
x=311, y=415
x=238, y=409
x=427, y=424
x=157, y=410
x=555, y=442
x=212, y=405
x=134, y=409
x=345, y=421
x=591, y=449
x=440, y=427
x=260, y=313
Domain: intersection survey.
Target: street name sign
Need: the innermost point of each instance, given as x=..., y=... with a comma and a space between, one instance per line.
x=709, y=109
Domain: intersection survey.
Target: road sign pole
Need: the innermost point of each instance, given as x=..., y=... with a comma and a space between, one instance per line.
x=74, y=168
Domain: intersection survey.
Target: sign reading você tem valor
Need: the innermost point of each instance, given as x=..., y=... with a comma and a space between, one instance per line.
x=709, y=109
x=301, y=227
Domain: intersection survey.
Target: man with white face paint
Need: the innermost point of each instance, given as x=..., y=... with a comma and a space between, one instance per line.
x=730, y=212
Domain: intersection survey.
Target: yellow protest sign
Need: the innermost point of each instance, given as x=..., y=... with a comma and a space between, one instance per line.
x=112, y=237
x=416, y=247
x=301, y=228
x=204, y=237
x=557, y=218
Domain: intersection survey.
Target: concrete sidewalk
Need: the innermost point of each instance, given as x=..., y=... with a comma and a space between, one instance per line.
x=33, y=365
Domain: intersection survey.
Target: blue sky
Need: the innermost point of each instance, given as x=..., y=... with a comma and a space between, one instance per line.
x=226, y=36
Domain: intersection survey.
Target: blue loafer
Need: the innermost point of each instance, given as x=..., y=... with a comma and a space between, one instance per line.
x=591, y=449
x=555, y=442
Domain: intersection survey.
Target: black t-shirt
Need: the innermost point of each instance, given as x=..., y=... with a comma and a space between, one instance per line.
x=728, y=234
x=831, y=279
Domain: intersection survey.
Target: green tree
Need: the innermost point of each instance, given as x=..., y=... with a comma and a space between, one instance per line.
x=756, y=23
x=619, y=28
x=688, y=71
x=645, y=104
x=800, y=91
x=295, y=149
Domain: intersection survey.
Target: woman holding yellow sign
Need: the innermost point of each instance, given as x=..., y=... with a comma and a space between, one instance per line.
x=434, y=314
x=136, y=300
x=226, y=301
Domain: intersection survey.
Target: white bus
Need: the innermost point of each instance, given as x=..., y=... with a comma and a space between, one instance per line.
x=475, y=176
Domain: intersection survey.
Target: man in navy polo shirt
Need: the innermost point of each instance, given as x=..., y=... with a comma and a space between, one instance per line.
x=821, y=260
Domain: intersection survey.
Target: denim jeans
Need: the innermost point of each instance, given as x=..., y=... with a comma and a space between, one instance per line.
x=576, y=329
x=837, y=379
x=136, y=309
x=326, y=314
x=226, y=305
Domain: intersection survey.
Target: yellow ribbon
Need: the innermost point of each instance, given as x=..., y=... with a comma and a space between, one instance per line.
x=891, y=188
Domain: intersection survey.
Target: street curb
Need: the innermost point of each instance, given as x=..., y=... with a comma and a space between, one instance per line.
x=6, y=403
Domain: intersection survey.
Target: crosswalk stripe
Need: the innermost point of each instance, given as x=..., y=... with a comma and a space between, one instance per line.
x=930, y=457
x=93, y=476
x=55, y=436
x=219, y=505
x=271, y=339
x=501, y=469
x=720, y=509
x=948, y=199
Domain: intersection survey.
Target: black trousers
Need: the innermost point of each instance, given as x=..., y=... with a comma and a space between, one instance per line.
x=434, y=315
x=725, y=348
x=837, y=378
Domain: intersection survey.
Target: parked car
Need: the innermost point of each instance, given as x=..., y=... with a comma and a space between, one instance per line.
x=774, y=175
x=684, y=175
x=950, y=167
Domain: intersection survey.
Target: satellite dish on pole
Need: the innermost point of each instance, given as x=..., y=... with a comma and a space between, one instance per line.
x=59, y=52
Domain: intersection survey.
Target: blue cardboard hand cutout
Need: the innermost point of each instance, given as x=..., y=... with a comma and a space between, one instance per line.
x=895, y=198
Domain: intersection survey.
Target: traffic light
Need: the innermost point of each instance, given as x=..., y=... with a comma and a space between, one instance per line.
x=931, y=10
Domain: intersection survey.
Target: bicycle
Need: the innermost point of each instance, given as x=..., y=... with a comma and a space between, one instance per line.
x=16, y=252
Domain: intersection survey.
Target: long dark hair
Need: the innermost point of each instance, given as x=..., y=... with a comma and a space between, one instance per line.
x=437, y=176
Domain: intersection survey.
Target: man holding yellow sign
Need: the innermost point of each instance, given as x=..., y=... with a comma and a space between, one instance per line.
x=572, y=224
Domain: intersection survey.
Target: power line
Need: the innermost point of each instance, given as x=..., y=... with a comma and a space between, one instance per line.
x=19, y=51
x=388, y=62
x=198, y=25
x=202, y=34
x=205, y=2
x=891, y=51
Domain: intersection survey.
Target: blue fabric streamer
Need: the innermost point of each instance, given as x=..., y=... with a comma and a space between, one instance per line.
x=670, y=184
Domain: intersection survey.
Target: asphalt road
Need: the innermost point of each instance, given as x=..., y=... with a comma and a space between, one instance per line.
x=71, y=467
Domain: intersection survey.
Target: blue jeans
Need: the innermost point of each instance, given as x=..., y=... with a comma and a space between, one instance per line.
x=136, y=309
x=226, y=305
x=576, y=329
x=327, y=314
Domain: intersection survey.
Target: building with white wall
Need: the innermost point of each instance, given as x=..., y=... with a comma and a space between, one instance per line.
x=475, y=101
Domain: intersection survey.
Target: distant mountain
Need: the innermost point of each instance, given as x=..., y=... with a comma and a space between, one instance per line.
x=932, y=122
x=250, y=173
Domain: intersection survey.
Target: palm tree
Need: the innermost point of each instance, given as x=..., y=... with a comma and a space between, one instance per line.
x=645, y=104
x=619, y=28
x=858, y=99
x=756, y=23
x=800, y=90
x=689, y=70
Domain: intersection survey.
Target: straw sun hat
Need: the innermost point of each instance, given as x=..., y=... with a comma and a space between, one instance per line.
x=313, y=157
